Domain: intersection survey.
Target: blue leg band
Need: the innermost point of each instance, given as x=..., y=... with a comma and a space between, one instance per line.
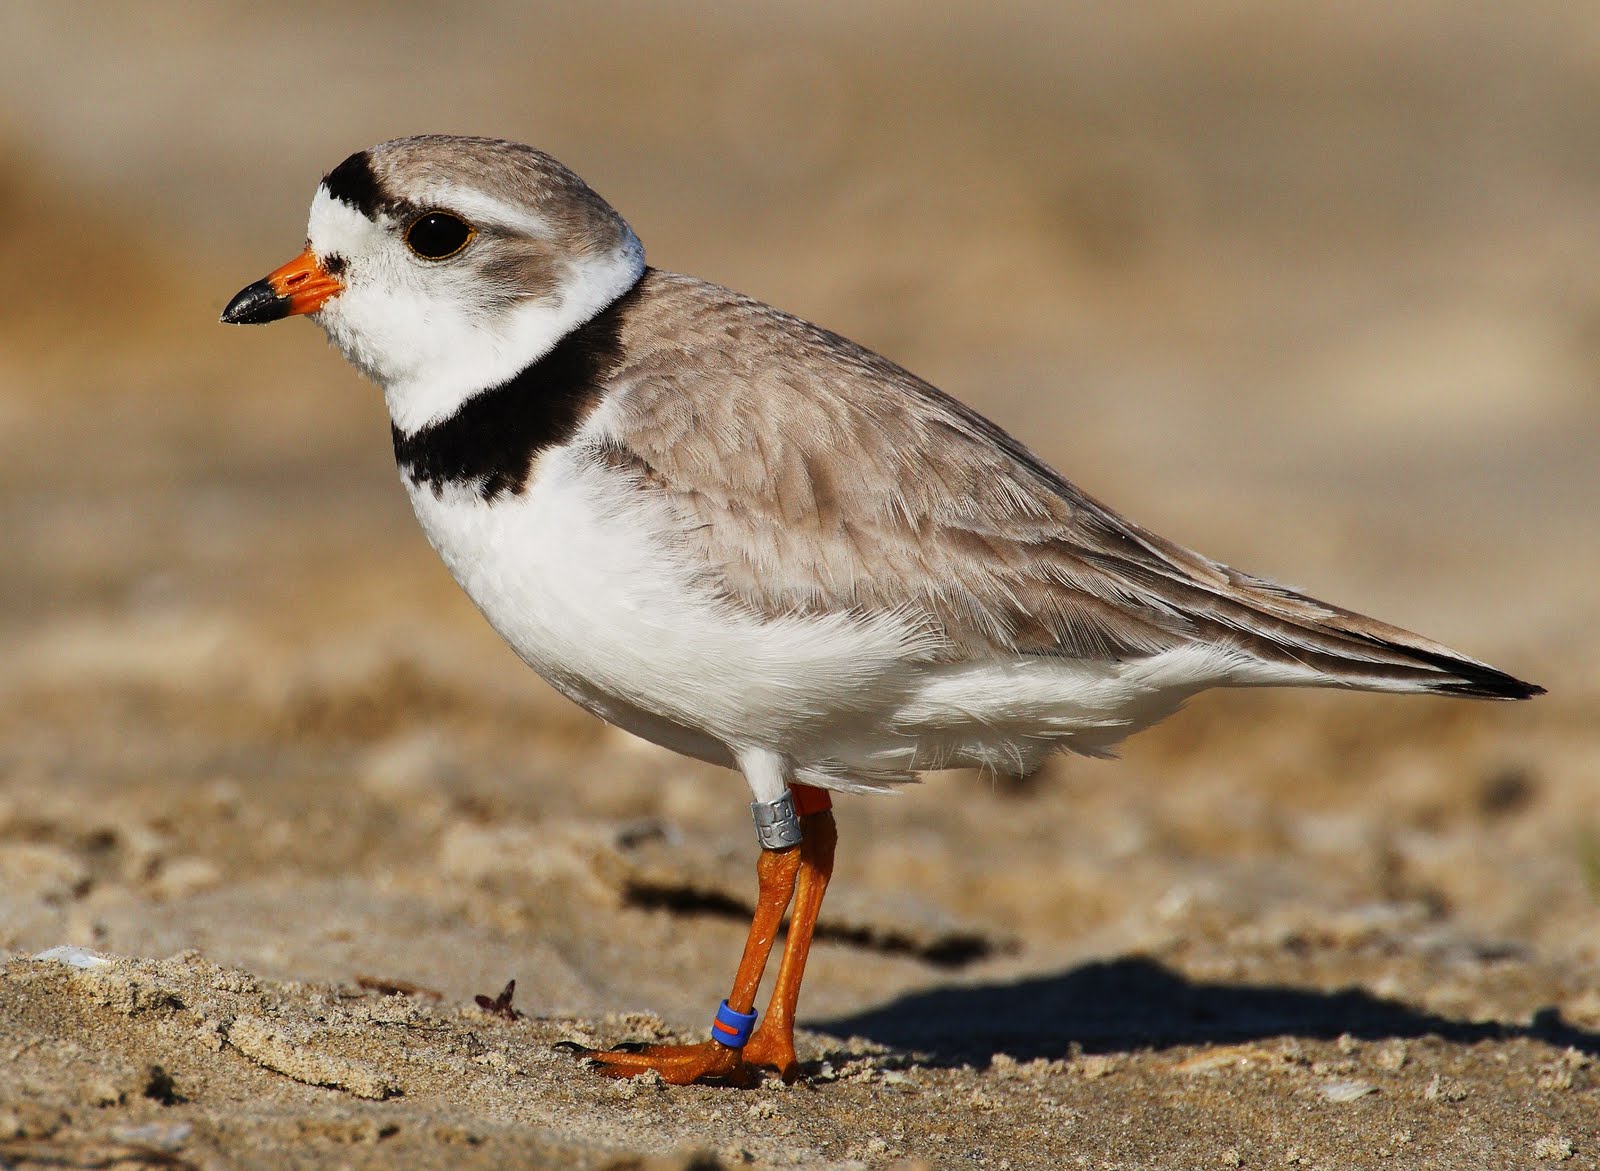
x=732, y=1028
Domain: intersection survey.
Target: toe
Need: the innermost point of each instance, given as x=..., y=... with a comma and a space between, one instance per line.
x=774, y=1052
x=678, y=1065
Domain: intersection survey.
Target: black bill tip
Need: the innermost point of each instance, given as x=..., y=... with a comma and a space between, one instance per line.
x=255, y=304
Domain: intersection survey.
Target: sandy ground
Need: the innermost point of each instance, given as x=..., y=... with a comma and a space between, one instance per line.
x=1314, y=293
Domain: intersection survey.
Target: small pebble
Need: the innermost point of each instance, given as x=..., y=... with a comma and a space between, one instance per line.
x=1553, y=1148
x=163, y=1136
x=73, y=957
x=1347, y=1091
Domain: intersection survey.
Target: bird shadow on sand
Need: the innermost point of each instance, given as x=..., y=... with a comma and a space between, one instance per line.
x=1136, y=1003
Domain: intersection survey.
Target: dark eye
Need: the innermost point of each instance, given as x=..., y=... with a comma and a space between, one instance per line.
x=437, y=235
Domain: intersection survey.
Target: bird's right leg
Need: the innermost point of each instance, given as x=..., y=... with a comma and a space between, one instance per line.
x=772, y=1045
x=722, y=1058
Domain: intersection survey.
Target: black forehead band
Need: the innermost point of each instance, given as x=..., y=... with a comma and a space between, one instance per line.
x=353, y=182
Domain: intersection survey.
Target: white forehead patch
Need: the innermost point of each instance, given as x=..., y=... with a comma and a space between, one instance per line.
x=336, y=227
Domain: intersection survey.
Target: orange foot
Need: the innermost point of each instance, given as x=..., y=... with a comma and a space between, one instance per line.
x=773, y=1048
x=678, y=1065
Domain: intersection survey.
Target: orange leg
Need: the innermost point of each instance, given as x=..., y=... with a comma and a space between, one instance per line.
x=712, y=1060
x=801, y=872
x=772, y=1046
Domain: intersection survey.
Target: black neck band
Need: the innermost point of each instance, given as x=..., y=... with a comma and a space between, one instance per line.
x=490, y=442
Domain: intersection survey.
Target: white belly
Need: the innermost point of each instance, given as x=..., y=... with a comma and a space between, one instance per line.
x=579, y=574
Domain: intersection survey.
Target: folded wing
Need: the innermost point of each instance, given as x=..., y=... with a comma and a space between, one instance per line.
x=814, y=476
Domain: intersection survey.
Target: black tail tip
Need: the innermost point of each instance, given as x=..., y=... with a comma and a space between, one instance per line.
x=1487, y=683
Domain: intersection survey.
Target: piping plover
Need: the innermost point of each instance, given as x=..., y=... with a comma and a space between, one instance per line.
x=752, y=541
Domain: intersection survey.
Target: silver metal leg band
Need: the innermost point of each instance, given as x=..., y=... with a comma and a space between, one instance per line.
x=777, y=827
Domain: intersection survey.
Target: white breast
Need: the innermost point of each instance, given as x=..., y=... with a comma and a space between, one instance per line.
x=580, y=574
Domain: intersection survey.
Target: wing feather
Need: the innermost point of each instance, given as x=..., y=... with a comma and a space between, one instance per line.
x=810, y=475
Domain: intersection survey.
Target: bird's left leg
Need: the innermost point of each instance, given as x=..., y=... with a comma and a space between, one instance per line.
x=722, y=1058
x=713, y=1060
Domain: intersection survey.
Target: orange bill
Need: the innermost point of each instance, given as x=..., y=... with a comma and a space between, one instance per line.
x=301, y=286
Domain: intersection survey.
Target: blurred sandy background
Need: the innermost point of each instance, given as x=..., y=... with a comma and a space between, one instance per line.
x=1314, y=289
